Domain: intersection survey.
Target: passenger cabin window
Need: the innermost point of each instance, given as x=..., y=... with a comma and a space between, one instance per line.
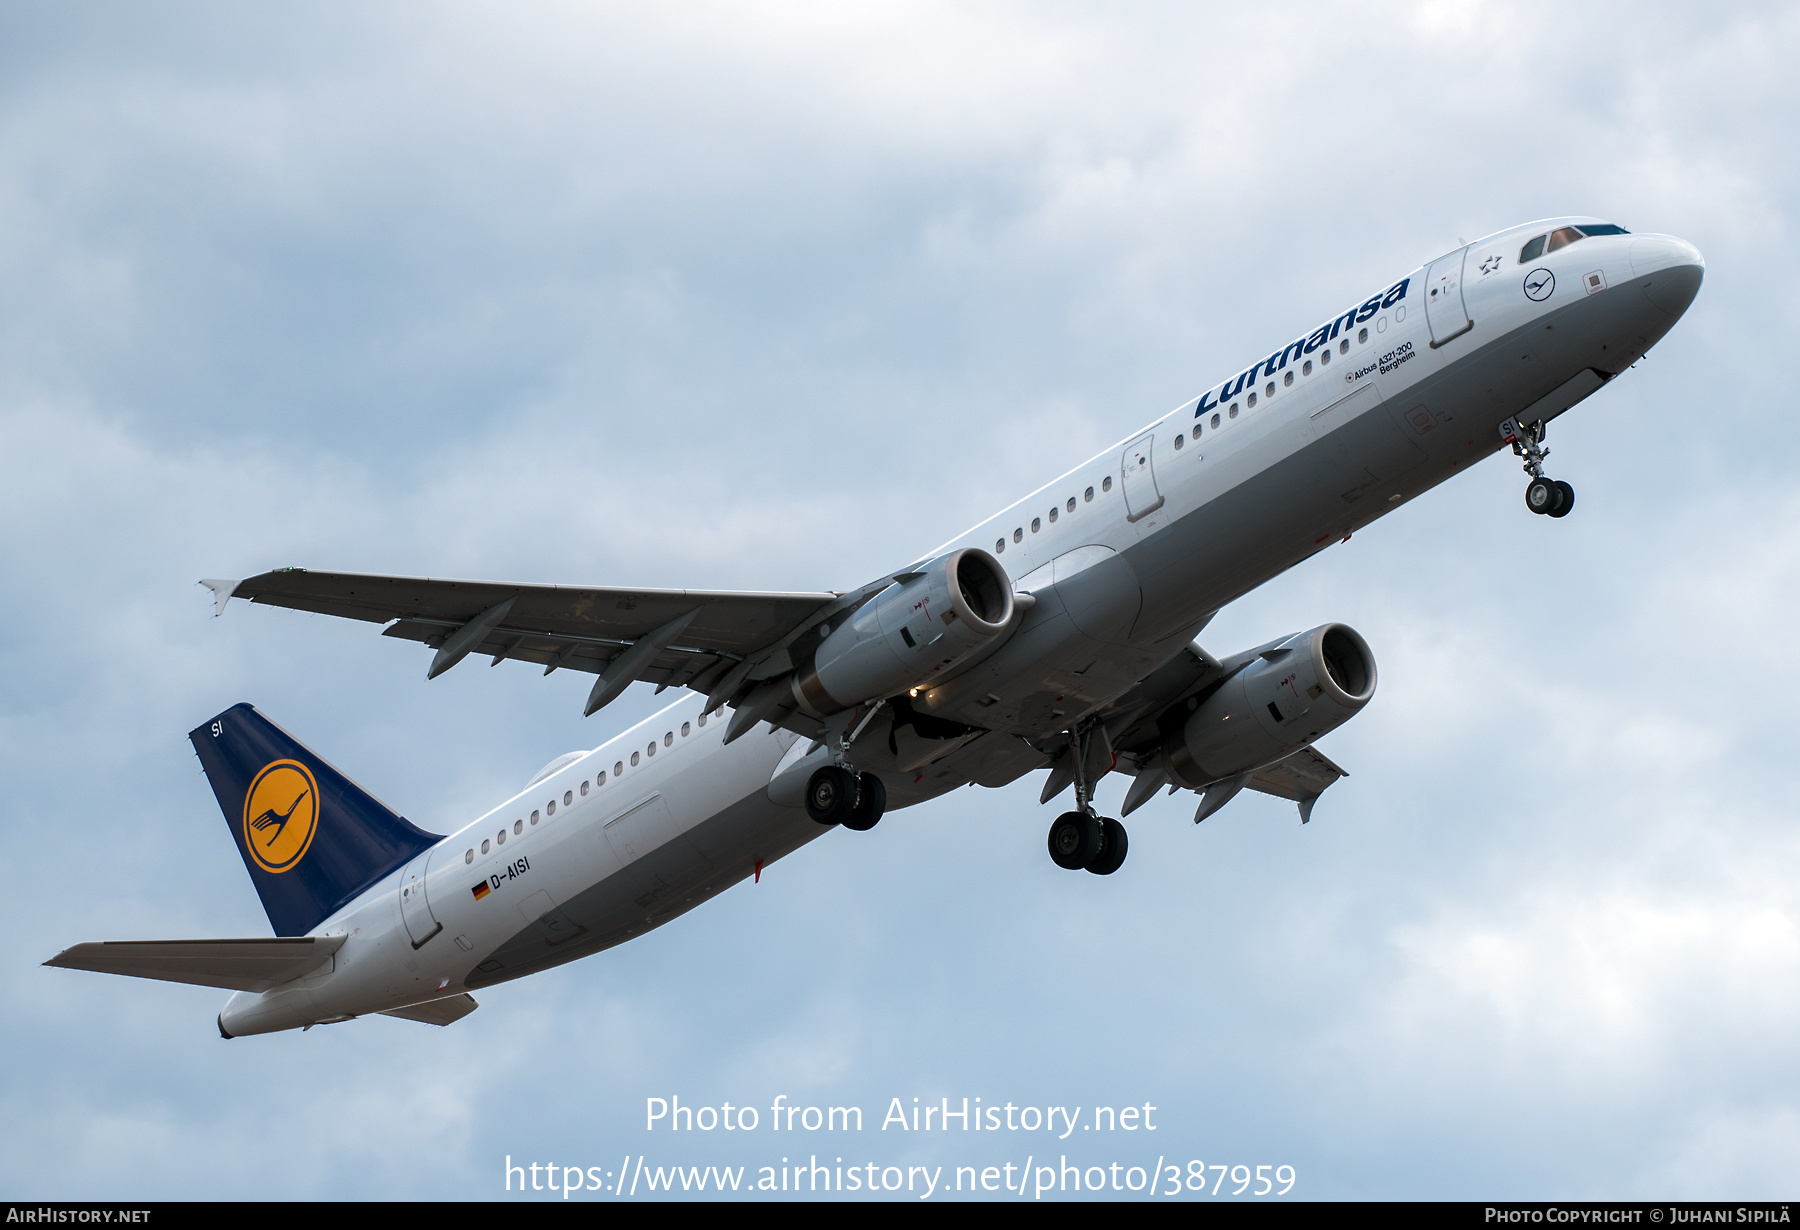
x=518, y=827
x=470, y=856
x=568, y=797
x=484, y=845
x=1071, y=504
x=584, y=789
x=550, y=808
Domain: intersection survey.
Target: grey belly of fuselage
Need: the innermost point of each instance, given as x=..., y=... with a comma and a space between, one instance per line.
x=665, y=883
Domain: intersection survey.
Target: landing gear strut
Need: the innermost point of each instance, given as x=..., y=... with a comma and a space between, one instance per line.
x=1080, y=839
x=1550, y=497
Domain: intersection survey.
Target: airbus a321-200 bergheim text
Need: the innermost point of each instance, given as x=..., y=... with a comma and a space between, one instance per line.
x=1060, y=634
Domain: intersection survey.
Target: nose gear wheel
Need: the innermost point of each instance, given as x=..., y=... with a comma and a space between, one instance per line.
x=1549, y=497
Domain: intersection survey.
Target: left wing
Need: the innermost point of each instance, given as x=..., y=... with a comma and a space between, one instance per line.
x=1137, y=724
x=1301, y=778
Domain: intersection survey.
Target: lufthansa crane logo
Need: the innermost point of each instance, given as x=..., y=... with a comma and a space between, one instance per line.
x=1538, y=285
x=281, y=814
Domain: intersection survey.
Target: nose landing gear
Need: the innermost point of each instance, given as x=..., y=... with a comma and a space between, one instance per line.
x=1549, y=497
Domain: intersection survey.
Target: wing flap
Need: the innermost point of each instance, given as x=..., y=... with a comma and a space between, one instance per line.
x=577, y=653
x=1300, y=778
x=232, y=965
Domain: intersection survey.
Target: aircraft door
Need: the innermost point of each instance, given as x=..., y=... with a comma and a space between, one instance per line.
x=1444, y=309
x=415, y=907
x=1138, y=474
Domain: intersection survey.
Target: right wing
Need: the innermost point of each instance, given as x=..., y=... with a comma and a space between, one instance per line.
x=233, y=965
x=708, y=640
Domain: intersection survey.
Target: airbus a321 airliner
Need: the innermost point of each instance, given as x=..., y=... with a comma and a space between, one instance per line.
x=1059, y=634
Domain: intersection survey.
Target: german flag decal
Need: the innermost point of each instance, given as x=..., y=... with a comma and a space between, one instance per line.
x=481, y=890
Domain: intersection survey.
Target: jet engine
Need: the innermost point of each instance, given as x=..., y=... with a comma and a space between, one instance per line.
x=1309, y=684
x=906, y=635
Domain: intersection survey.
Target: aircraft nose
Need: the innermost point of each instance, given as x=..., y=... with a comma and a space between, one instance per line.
x=1671, y=270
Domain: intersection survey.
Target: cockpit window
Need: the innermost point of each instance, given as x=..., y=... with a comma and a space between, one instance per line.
x=1563, y=237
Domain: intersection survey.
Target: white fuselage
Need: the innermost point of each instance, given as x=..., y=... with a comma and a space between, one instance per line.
x=1128, y=554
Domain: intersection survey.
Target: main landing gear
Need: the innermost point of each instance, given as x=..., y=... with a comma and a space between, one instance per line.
x=1079, y=839
x=1549, y=497
x=838, y=794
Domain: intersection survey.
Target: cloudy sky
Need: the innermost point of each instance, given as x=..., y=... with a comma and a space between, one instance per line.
x=778, y=297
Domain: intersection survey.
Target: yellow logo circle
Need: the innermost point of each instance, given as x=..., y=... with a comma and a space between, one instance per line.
x=281, y=813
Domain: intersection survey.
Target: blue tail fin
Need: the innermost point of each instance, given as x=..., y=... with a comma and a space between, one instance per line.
x=311, y=838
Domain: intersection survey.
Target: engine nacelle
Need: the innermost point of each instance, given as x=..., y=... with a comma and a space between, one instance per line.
x=1311, y=683
x=908, y=634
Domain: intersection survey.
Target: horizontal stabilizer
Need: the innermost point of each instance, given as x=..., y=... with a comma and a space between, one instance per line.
x=437, y=1011
x=232, y=965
